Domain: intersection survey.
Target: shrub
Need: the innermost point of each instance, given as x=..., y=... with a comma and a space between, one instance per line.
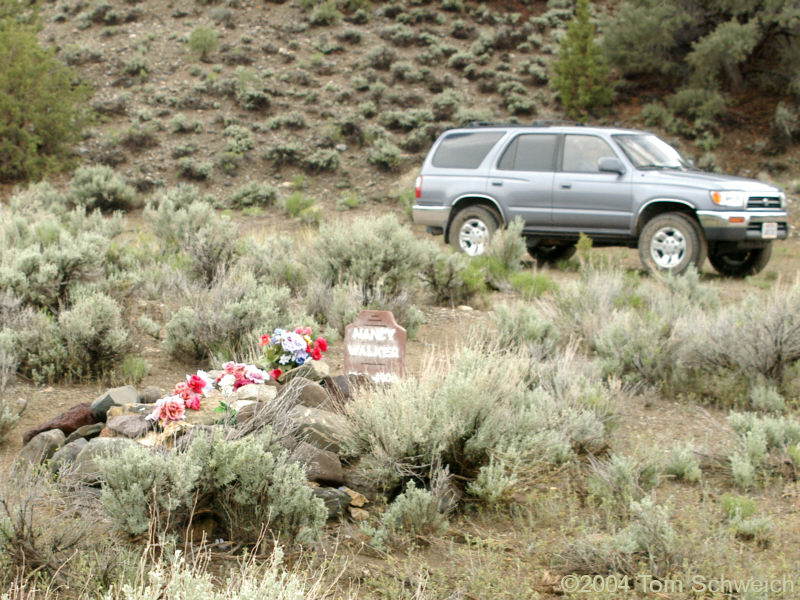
x=415, y=512
x=324, y=159
x=249, y=90
x=380, y=57
x=177, y=197
x=682, y=465
x=493, y=483
x=737, y=506
x=254, y=194
x=238, y=139
x=697, y=104
x=349, y=200
x=44, y=110
x=325, y=13
x=206, y=239
x=248, y=483
x=203, y=41
x=462, y=410
x=620, y=480
x=521, y=326
x=296, y=203
x=190, y=169
x=284, y=153
x=384, y=155
x=375, y=254
x=531, y=284
x=507, y=246
x=99, y=187
x=334, y=306
x=449, y=278
x=93, y=335
x=223, y=319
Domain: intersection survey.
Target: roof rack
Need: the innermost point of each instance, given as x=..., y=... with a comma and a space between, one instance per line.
x=537, y=123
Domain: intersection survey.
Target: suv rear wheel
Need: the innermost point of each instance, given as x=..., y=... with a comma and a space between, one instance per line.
x=472, y=229
x=549, y=253
x=670, y=242
x=741, y=263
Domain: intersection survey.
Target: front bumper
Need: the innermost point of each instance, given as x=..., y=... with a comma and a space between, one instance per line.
x=741, y=225
x=432, y=216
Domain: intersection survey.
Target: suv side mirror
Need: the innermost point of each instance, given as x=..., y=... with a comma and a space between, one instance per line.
x=610, y=164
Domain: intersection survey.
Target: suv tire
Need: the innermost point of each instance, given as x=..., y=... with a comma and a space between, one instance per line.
x=671, y=242
x=741, y=263
x=550, y=254
x=472, y=229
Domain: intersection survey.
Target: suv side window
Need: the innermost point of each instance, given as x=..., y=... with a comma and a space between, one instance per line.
x=465, y=150
x=582, y=153
x=529, y=152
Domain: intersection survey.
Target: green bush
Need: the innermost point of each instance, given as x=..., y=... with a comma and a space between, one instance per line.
x=296, y=202
x=222, y=320
x=377, y=255
x=324, y=159
x=450, y=280
x=682, y=465
x=284, y=153
x=520, y=326
x=93, y=335
x=99, y=187
x=238, y=139
x=44, y=110
x=414, y=512
x=620, y=480
x=462, y=411
x=384, y=155
x=249, y=90
x=325, y=13
x=247, y=483
x=203, y=41
x=254, y=194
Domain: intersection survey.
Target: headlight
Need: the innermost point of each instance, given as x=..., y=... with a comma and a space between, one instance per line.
x=729, y=198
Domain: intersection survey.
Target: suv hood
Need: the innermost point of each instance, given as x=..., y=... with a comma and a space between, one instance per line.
x=703, y=180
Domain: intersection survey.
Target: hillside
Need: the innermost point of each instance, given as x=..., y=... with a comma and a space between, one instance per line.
x=350, y=99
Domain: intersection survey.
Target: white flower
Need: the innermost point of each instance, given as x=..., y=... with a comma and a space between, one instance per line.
x=226, y=385
x=292, y=342
x=255, y=374
x=209, y=382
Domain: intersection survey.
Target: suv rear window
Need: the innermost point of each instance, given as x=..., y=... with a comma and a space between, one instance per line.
x=529, y=153
x=465, y=150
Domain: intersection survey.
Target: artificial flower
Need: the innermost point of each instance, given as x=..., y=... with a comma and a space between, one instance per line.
x=169, y=408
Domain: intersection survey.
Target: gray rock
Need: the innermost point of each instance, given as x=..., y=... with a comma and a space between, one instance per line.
x=300, y=390
x=321, y=466
x=255, y=393
x=86, y=468
x=114, y=397
x=41, y=447
x=150, y=394
x=87, y=431
x=66, y=454
x=129, y=426
x=320, y=428
x=315, y=370
x=336, y=501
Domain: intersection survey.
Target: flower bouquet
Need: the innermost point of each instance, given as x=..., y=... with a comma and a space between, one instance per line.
x=186, y=394
x=285, y=349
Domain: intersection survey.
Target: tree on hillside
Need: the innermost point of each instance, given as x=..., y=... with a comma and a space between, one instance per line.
x=581, y=72
x=728, y=46
x=42, y=106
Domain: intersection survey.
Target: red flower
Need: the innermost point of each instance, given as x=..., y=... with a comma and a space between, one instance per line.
x=275, y=373
x=240, y=381
x=263, y=340
x=196, y=384
x=321, y=344
x=315, y=353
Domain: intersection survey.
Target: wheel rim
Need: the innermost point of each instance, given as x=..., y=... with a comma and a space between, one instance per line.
x=473, y=237
x=668, y=247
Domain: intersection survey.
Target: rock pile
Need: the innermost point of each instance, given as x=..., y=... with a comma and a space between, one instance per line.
x=306, y=414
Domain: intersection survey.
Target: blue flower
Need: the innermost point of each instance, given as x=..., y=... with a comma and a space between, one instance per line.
x=299, y=360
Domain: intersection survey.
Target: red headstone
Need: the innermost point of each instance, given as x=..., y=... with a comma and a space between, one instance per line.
x=375, y=345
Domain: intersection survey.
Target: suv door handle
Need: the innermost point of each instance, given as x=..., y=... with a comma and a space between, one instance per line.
x=566, y=186
x=497, y=183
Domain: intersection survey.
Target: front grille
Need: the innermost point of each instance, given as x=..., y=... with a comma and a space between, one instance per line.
x=763, y=202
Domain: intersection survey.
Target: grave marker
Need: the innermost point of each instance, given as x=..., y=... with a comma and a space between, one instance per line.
x=375, y=345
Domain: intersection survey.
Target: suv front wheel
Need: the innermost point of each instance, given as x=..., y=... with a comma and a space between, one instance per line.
x=670, y=242
x=741, y=263
x=472, y=229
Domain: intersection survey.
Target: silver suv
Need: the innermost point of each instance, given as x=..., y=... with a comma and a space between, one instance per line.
x=620, y=187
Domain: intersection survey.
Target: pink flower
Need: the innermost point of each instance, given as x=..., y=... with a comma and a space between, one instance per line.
x=303, y=330
x=228, y=367
x=193, y=402
x=166, y=409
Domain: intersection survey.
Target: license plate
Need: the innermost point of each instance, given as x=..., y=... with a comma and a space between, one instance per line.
x=769, y=231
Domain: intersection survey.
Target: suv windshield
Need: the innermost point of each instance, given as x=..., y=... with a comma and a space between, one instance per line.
x=647, y=151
